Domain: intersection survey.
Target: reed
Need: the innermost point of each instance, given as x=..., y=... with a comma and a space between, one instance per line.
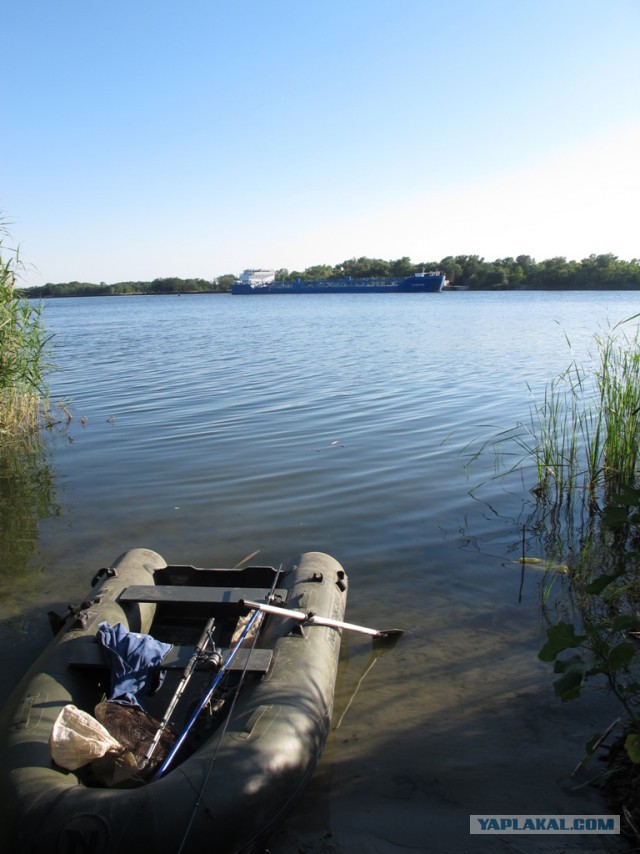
x=22, y=413
x=24, y=355
x=585, y=432
x=582, y=445
x=585, y=440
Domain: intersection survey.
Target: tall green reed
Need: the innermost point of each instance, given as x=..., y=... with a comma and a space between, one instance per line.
x=585, y=433
x=24, y=355
x=579, y=446
x=581, y=443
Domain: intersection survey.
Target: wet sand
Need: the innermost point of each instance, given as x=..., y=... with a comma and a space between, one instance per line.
x=412, y=759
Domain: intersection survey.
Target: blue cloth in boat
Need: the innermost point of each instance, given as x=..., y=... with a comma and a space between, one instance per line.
x=135, y=662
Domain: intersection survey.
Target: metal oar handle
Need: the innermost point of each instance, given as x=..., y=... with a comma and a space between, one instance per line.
x=312, y=619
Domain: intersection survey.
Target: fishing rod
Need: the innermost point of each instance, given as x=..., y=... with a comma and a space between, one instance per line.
x=214, y=661
x=218, y=678
x=254, y=616
x=221, y=672
x=199, y=654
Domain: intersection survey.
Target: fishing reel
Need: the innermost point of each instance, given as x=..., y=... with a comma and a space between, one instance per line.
x=207, y=653
x=213, y=659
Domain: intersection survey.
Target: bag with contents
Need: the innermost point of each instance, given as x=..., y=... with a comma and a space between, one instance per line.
x=77, y=739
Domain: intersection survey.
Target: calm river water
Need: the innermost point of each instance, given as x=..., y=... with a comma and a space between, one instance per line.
x=210, y=427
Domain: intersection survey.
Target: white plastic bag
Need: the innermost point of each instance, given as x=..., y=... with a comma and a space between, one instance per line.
x=77, y=739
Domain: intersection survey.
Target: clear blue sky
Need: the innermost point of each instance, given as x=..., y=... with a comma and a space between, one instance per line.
x=146, y=138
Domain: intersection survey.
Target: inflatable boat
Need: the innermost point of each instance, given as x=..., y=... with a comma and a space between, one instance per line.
x=226, y=741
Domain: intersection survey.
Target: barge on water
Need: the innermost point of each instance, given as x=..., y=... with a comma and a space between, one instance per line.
x=264, y=282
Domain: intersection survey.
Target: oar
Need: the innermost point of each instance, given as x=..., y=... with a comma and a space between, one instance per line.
x=312, y=619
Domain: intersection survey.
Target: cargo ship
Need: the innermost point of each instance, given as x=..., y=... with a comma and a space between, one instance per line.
x=264, y=282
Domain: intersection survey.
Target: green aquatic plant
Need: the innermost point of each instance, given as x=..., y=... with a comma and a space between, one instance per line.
x=588, y=424
x=602, y=639
x=581, y=447
x=24, y=355
x=588, y=509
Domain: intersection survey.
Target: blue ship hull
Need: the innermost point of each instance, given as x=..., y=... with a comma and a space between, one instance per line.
x=427, y=283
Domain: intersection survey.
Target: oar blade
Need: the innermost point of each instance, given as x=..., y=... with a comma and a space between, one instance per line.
x=390, y=633
x=388, y=636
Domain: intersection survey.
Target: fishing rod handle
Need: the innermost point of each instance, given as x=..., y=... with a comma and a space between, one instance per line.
x=206, y=634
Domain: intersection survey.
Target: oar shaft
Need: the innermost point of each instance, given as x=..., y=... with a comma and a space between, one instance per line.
x=309, y=618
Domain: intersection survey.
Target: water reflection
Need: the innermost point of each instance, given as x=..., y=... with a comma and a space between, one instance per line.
x=27, y=496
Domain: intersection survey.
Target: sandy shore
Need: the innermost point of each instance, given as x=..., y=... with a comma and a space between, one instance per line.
x=408, y=764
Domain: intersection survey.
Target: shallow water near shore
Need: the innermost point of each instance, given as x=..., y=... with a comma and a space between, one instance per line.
x=212, y=427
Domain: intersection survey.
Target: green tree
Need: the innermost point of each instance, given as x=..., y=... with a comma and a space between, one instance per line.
x=552, y=274
x=320, y=271
x=452, y=269
x=364, y=267
x=225, y=283
x=472, y=267
x=402, y=267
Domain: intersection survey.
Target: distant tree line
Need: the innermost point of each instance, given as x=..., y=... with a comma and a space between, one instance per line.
x=171, y=285
x=597, y=272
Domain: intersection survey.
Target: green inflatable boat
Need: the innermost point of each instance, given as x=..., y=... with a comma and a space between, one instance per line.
x=194, y=710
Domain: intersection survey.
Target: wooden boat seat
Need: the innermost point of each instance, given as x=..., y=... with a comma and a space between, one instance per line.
x=88, y=653
x=194, y=595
